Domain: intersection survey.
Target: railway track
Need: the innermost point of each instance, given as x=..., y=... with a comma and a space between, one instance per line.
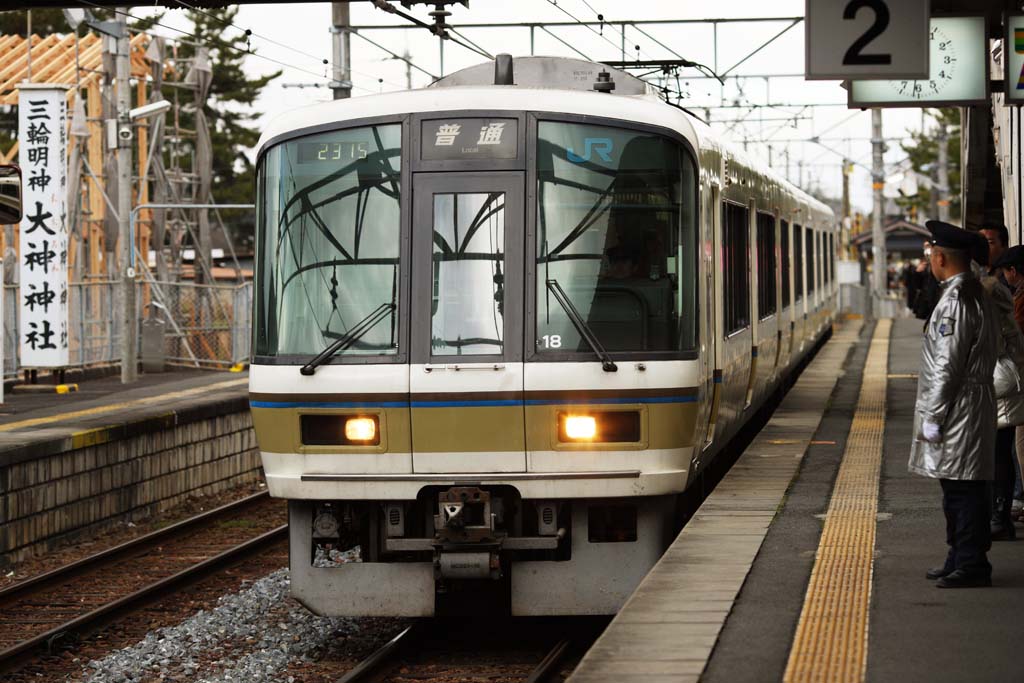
x=58, y=607
x=527, y=651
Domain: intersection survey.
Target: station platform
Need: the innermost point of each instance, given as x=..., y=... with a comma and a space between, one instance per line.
x=807, y=561
x=75, y=464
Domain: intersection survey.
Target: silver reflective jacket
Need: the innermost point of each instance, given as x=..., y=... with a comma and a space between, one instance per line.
x=1009, y=371
x=954, y=386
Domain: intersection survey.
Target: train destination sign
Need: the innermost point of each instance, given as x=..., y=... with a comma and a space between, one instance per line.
x=469, y=138
x=958, y=76
x=866, y=39
x=1013, y=58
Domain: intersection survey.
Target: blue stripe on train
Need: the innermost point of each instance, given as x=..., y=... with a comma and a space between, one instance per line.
x=471, y=404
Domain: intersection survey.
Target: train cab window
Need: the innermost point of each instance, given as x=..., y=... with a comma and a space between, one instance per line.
x=798, y=261
x=616, y=240
x=736, y=266
x=328, y=233
x=766, y=269
x=784, y=270
x=467, y=302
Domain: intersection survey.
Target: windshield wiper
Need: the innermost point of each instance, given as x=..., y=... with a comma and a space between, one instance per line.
x=607, y=364
x=349, y=338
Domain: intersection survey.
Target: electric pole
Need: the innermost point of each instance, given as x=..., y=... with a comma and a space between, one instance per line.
x=844, y=235
x=943, y=173
x=129, y=329
x=877, y=235
x=341, y=51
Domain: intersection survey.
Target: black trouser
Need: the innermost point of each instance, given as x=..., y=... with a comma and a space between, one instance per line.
x=966, y=505
x=1005, y=477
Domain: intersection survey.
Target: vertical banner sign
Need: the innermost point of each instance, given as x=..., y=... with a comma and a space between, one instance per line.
x=43, y=238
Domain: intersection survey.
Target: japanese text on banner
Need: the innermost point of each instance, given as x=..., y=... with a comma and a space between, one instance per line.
x=43, y=238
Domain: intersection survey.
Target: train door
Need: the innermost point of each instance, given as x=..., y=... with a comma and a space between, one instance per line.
x=712, y=350
x=466, y=375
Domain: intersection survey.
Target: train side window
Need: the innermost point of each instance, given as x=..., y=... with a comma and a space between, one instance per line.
x=766, y=286
x=736, y=266
x=798, y=261
x=809, y=246
x=831, y=258
x=787, y=298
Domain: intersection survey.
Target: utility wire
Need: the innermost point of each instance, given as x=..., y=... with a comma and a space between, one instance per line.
x=395, y=55
x=250, y=32
x=593, y=30
x=622, y=27
x=194, y=36
x=440, y=31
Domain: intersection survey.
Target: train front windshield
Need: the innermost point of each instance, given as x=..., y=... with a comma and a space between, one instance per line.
x=329, y=240
x=616, y=232
x=614, y=255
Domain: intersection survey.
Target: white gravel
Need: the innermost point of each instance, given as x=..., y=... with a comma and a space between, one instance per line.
x=265, y=630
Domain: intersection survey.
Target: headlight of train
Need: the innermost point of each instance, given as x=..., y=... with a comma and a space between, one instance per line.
x=579, y=427
x=328, y=429
x=361, y=430
x=603, y=426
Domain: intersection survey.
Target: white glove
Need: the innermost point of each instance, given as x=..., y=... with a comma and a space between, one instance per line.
x=931, y=432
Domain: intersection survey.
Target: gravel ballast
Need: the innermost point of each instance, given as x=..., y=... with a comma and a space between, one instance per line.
x=252, y=635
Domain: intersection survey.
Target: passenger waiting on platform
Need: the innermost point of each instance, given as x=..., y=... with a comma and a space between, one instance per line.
x=998, y=238
x=955, y=412
x=927, y=289
x=1007, y=384
x=1012, y=266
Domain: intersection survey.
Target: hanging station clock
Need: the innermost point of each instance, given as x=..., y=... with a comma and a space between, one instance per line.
x=958, y=71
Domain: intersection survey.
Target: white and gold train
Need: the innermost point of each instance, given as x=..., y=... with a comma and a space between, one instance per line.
x=500, y=328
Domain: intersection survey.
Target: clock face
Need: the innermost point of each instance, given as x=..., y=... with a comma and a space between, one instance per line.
x=957, y=65
x=942, y=58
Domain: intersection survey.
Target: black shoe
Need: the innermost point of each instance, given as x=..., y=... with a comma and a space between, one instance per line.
x=961, y=579
x=1001, y=531
x=937, y=573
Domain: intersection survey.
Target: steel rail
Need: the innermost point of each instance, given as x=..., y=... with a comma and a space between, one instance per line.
x=90, y=621
x=547, y=665
x=69, y=571
x=373, y=666
x=370, y=666
x=13, y=656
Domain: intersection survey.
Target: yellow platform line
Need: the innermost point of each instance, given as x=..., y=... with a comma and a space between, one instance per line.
x=111, y=407
x=831, y=640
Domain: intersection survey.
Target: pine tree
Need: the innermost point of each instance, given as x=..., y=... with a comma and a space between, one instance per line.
x=229, y=110
x=923, y=152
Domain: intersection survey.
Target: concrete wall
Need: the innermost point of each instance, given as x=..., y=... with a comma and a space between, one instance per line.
x=58, y=490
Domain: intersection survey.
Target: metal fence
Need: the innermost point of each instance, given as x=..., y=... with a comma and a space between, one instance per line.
x=203, y=325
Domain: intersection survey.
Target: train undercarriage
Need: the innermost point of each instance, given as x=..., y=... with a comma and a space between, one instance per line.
x=460, y=550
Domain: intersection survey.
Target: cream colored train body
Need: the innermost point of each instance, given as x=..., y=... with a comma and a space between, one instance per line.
x=460, y=245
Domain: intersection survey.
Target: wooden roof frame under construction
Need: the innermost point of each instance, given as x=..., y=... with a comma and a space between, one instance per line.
x=53, y=60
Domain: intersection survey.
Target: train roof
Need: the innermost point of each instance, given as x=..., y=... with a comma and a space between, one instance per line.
x=540, y=84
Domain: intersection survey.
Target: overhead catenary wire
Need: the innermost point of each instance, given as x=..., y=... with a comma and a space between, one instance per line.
x=408, y=61
x=554, y=3
x=249, y=32
x=440, y=31
x=194, y=36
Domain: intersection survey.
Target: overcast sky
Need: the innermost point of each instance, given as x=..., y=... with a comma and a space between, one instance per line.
x=302, y=29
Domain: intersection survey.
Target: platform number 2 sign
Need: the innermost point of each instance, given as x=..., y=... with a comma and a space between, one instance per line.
x=867, y=39
x=855, y=55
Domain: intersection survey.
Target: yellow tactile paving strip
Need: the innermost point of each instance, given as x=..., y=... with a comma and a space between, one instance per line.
x=123, y=405
x=831, y=641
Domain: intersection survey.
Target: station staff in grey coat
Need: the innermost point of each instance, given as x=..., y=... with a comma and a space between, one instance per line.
x=955, y=414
